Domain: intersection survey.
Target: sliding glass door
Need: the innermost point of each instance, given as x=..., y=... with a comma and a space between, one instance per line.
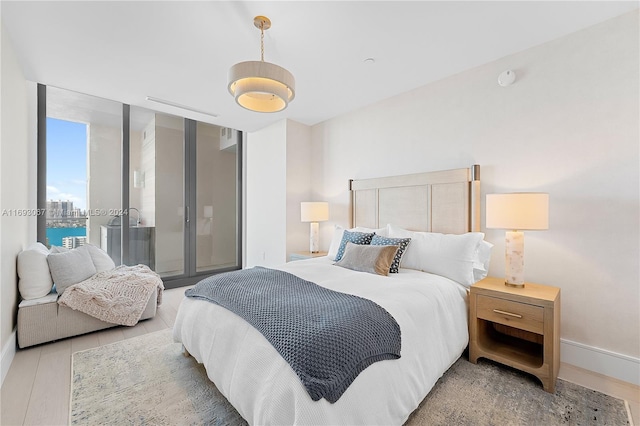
x=178, y=210
x=157, y=191
x=216, y=198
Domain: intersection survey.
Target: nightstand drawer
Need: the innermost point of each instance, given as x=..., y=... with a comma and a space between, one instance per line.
x=513, y=314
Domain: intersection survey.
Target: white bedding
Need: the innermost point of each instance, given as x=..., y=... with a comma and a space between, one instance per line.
x=432, y=314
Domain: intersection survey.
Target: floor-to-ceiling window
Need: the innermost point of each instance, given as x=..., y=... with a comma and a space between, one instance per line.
x=216, y=178
x=66, y=217
x=178, y=210
x=157, y=190
x=83, y=167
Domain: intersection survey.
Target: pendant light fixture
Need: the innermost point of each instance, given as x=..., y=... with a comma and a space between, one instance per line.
x=258, y=85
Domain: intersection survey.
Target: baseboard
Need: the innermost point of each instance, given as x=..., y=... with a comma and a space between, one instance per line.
x=8, y=352
x=612, y=364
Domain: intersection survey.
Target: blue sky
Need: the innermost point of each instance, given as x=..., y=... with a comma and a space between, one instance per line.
x=67, y=161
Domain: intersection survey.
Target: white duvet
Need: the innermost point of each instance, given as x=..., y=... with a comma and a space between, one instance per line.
x=432, y=314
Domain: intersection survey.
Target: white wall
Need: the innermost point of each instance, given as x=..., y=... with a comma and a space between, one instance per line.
x=104, y=177
x=298, y=184
x=17, y=178
x=278, y=178
x=568, y=126
x=266, y=183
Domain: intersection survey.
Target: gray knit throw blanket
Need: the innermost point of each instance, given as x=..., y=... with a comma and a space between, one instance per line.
x=327, y=337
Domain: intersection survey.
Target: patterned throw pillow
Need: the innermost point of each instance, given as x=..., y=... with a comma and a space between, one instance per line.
x=361, y=238
x=402, y=244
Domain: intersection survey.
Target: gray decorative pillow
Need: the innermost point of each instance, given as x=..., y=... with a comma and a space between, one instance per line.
x=101, y=260
x=70, y=268
x=371, y=259
x=402, y=244
x=361, y=238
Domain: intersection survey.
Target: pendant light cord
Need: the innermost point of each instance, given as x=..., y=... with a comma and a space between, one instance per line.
x=262, y=41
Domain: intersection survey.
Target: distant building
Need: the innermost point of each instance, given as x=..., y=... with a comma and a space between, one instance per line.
x=54, y=209
x=73, y=242
x=59, y=209
x=67, y=208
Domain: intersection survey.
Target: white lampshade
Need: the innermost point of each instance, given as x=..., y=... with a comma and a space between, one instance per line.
x=258, y=85
x=261, y=86
x=314, y=211
x=518, y=211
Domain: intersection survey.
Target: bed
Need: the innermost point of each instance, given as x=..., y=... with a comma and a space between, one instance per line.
x=430, y=309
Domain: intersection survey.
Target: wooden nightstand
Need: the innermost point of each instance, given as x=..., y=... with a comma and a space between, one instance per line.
x=302, y=255
x=519, y=327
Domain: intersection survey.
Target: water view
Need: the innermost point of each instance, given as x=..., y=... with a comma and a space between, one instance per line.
x=55, y=235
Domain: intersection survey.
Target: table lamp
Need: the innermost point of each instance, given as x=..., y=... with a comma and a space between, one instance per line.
x=314, y=212
x=517, y=212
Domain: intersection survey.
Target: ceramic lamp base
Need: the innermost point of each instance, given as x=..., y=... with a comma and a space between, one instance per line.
x=514, y=259
x=314, y=231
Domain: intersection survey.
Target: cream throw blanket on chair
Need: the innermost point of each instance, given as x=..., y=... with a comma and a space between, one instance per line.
x=118, y=296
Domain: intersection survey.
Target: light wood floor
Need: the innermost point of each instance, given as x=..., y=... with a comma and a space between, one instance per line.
x=36, y=389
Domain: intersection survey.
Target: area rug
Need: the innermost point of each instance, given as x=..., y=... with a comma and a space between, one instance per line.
x=147, y=381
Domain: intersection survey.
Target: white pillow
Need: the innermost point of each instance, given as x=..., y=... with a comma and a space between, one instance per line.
x=101, y=260
x=449, y=255
x=339, y=230
x=70, y=267
x=33, y=272
x=383, y=232
x=335, y=241
x=482, y=260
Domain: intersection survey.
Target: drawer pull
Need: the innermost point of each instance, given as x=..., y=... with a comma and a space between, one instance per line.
x=498, y=311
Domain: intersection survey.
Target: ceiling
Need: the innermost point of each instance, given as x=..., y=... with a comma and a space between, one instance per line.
x=181, y=51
